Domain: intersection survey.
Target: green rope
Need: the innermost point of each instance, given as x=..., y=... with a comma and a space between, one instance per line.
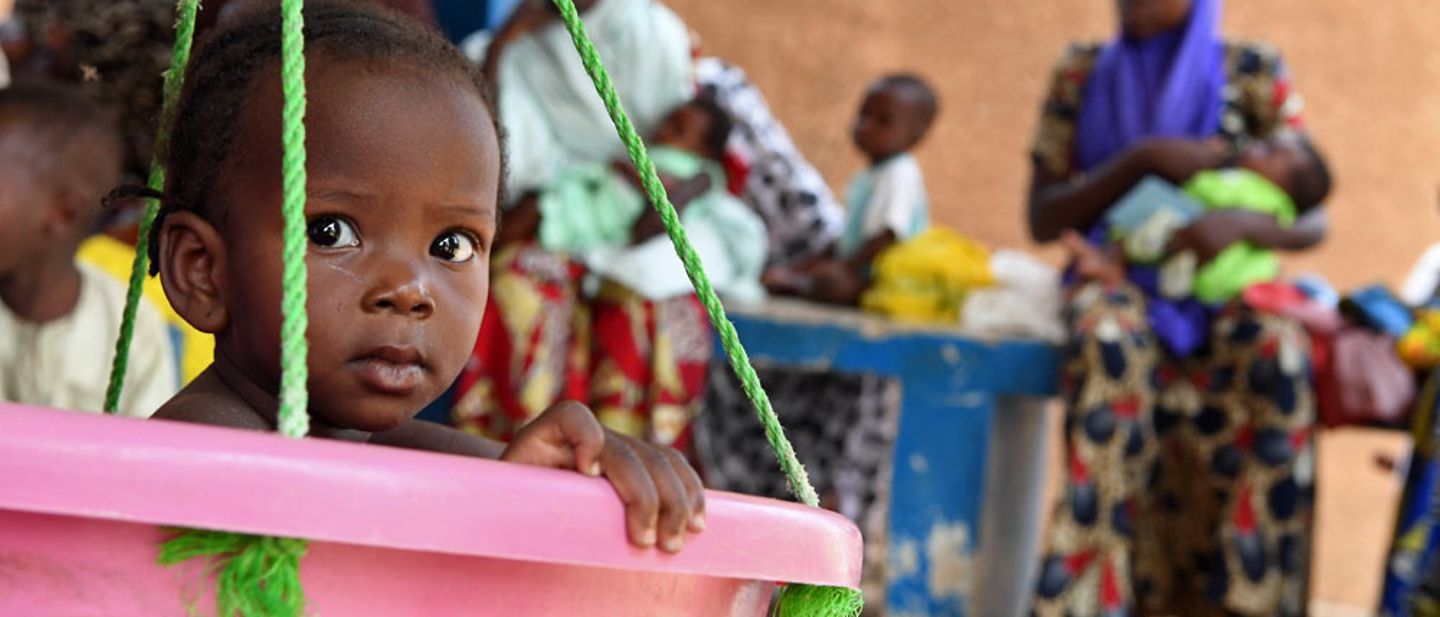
x=795, y=600
x=294, y=419
x=729, y=339
x=255, y=575
x=818, y=601
x=174, y=83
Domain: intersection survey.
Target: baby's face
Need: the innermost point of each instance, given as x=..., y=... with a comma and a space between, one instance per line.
x=685, y=129
x=403, y=178
x=1278, y=160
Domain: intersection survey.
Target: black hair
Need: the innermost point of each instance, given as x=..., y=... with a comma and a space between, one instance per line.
x=1311, y=182
x=918, y=93
x=115, y=52
x=717, y=134
x=221, y=76
x=78, y=143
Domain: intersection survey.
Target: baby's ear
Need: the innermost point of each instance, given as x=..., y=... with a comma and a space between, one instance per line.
x=192, y=263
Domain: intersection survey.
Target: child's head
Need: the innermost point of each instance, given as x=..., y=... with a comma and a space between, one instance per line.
x=59, y=153
x=700, y=126
x=404, y=166
x=1293, y=164
x=896, y=113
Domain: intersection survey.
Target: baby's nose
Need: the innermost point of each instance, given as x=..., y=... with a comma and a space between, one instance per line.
x=400, y=290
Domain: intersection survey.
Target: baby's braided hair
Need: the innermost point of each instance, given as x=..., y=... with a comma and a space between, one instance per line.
x=221, y=78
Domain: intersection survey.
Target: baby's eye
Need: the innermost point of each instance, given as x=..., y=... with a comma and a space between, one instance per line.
x=454, y=247
x=332, y=232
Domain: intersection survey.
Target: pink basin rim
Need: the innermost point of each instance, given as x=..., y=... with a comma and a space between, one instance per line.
x=168, y=473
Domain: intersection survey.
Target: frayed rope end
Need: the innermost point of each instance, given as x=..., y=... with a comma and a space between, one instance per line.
x=818, y=601
x=254, y=575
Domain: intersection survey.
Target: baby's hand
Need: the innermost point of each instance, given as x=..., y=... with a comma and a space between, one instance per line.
x=662, y=494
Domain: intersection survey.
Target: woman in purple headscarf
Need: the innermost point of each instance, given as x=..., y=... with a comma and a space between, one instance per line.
x=1189, y=467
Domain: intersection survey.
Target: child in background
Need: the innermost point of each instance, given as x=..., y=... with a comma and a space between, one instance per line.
x=886, y=203
x=59, y=154
x=193, y=349
x=404, y=178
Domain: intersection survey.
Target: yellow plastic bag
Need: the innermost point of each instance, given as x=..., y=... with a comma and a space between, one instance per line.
x=925, y=278
x=196, y=348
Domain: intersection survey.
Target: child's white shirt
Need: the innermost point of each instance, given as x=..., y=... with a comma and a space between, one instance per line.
x=889, y=196
x=65, y=363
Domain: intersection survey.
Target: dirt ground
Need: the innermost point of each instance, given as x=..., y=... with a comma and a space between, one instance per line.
x=1372, y=85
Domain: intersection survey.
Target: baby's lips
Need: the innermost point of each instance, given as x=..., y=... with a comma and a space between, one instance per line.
x=396, y=354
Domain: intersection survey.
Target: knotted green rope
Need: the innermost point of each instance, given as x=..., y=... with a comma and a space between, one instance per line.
x=294, y=399
x=174, y=83
x=254, y=575
x=795, y=600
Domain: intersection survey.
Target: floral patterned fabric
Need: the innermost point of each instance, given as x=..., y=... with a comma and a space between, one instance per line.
x=639, y=364
x=1189, y=485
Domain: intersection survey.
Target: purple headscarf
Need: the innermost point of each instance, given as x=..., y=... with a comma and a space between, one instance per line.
x=1169, y=85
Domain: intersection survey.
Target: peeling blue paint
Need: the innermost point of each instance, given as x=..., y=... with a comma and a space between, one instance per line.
x=949, y=386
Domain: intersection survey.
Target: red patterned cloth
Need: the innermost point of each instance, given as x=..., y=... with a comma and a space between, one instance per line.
x=639, y=364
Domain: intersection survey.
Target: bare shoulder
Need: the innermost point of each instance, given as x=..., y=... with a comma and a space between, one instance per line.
x=207, y=401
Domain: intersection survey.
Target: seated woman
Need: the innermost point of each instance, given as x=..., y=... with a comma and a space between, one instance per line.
x=535, y=347
x=637, y=347
x=1189, y=461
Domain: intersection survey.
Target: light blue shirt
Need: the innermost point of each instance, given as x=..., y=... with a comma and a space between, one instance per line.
x=886, y=197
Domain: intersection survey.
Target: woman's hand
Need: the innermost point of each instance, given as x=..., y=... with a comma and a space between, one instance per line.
x=1092, y=263
x=662, y=494
x=1177, y=159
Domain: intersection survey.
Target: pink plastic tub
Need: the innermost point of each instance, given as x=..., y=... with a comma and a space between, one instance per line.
x=394, y=532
